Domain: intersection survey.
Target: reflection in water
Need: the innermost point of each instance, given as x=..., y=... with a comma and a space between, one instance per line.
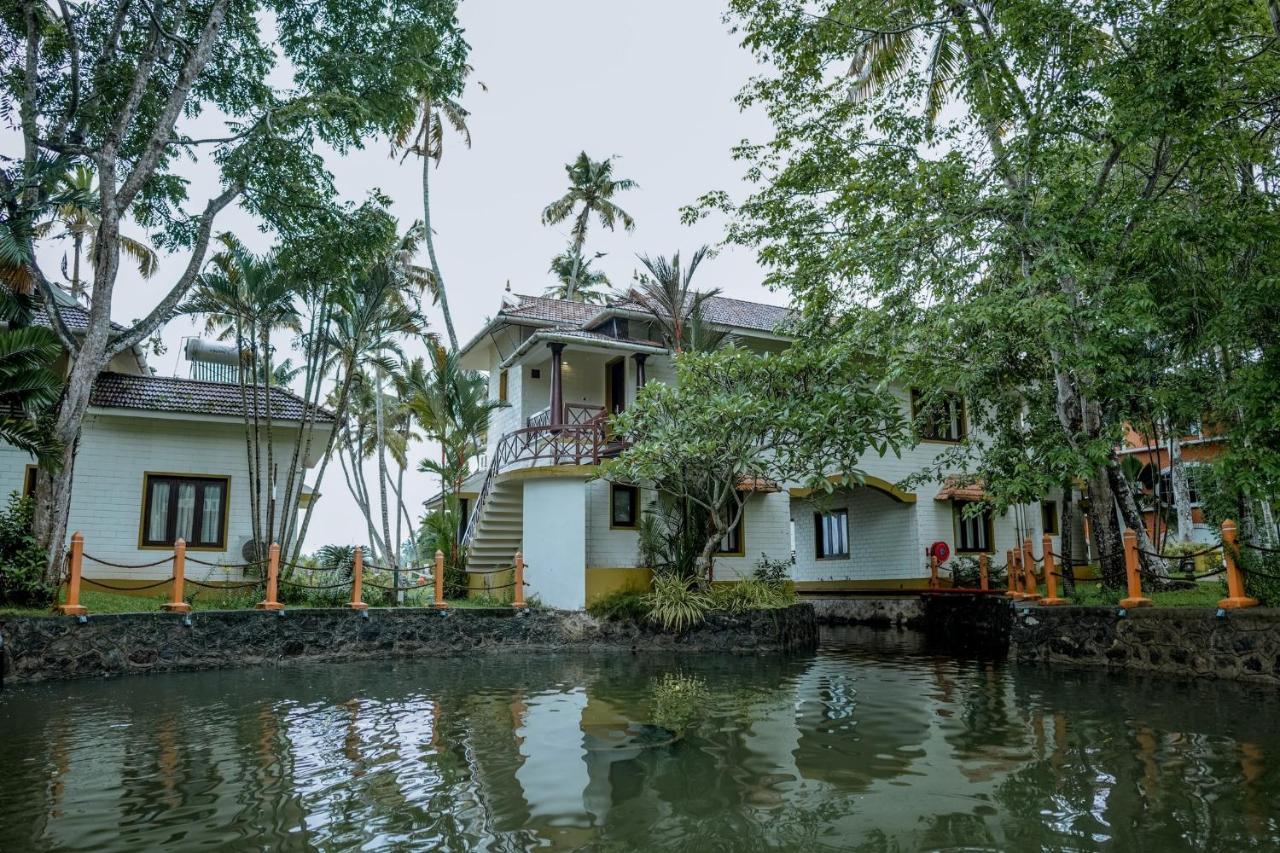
x=872, y=744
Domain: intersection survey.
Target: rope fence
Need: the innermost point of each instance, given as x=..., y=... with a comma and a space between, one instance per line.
x=271, y=581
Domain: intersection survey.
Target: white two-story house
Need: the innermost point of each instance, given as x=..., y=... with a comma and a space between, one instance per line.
x=559, y=368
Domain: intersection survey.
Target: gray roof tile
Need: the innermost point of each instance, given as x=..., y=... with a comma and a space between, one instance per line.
x=189, y=396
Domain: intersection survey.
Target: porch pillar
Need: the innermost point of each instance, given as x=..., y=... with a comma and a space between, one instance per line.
x=640, y=358
x=557, y=389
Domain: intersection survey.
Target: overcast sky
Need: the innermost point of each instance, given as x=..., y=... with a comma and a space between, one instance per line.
x=651, y=82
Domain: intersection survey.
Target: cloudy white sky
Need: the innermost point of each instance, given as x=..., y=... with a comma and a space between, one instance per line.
x=652, y=83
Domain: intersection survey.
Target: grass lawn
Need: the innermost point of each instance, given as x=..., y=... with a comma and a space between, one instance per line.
x=1201, y=595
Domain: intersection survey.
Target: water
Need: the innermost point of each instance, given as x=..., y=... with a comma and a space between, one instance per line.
x=871, y=744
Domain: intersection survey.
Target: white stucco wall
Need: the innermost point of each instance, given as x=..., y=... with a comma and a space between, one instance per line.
x=555, y=540
x=106, y=501
x=883, y=543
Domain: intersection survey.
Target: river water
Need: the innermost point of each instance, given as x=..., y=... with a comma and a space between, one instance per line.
x=872, y=744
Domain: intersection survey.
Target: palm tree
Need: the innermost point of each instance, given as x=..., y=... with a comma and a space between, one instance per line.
x=245, y=297
x=427, y=141
x=590, y=193
x=78, y=217
x=29, y=387
x=591, y=285
x=666, y=293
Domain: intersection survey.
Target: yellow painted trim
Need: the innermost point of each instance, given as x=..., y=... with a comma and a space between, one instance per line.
x=880, y=485
x=226, y=516
x=601, y=581
x=542, y=471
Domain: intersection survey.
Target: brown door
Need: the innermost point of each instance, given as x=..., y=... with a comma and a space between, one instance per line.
x=615, y=386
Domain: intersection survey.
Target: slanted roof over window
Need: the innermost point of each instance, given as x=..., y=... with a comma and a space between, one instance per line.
x=191, y=396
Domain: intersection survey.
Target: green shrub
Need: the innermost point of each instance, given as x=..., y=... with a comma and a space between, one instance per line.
x=752, y=594
x=21, y=557
x=775, y=572
x=679, y=702
x=621, y=605
x=1181, y=567
x=676, y=603
x=1261, y=575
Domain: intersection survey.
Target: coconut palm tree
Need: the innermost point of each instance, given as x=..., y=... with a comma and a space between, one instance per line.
x=424, y=136
x=244, y=297
x=591, y=285
x=77, y=216
x=666, y=293
x=590, y=194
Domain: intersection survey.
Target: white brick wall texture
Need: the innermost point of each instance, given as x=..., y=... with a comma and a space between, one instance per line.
x=106, y=501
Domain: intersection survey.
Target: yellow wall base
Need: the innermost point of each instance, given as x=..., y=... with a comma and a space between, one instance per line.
x=602, y=581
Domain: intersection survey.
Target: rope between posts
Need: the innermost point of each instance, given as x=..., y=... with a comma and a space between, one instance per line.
x=1260, y=574
x=370, y=583
x=1262, y=548
x=1213, y=549
x=116, y=588
x=248, y=585
x=200, y=562
x=102, y=562
x=503, y=586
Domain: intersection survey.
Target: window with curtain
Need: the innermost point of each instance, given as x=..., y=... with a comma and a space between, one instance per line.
x=940, y=417
x=831, y=534
x=973, y=532
x=190, y=508
x=734, y=544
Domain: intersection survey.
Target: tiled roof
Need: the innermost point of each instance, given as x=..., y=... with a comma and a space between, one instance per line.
x=957, y=489
x=725, y=311
x=188, y=396
x=562, y=312
x=76, y=318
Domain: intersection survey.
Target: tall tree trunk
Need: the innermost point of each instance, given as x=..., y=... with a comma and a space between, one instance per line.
x=1066, y=541
x=77, y=286
x=380, y=444
x=430, y=237
x=1181, y=487
x=1128, y=506
x=1106, y=530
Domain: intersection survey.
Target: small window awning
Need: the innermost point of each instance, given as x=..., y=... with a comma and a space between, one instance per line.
x=757, y=484
x=955, y=489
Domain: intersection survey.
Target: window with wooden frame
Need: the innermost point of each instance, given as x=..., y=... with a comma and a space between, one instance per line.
x=831, y=534
x=940, y=417
x=29, y=481
x=1049, y=517
x=973, y=529
x=502, y=387
x=734, y=543
x=188, y=507
x=624, y=506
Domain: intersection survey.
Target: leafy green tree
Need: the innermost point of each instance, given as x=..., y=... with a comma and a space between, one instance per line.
x=108, y=83
x=592, y=285
x=592, y=187
x=1047, y=208
x=735, y=420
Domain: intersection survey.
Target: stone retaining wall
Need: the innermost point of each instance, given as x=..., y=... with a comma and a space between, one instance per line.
x=51, y=647
x=1243, y=645
x=899, y=612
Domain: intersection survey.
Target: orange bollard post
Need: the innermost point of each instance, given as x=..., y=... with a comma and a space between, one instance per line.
x=1011, y=572
x=73, y=607
x=1032, y=588
x=357, y=581
x=1050, y=576
x=1134, y=579
x=439, y=579
x=517, y=600
x=1235, y=577
x=273, y=580
x=175, y=604
x=984, y=579
x=934, y=581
